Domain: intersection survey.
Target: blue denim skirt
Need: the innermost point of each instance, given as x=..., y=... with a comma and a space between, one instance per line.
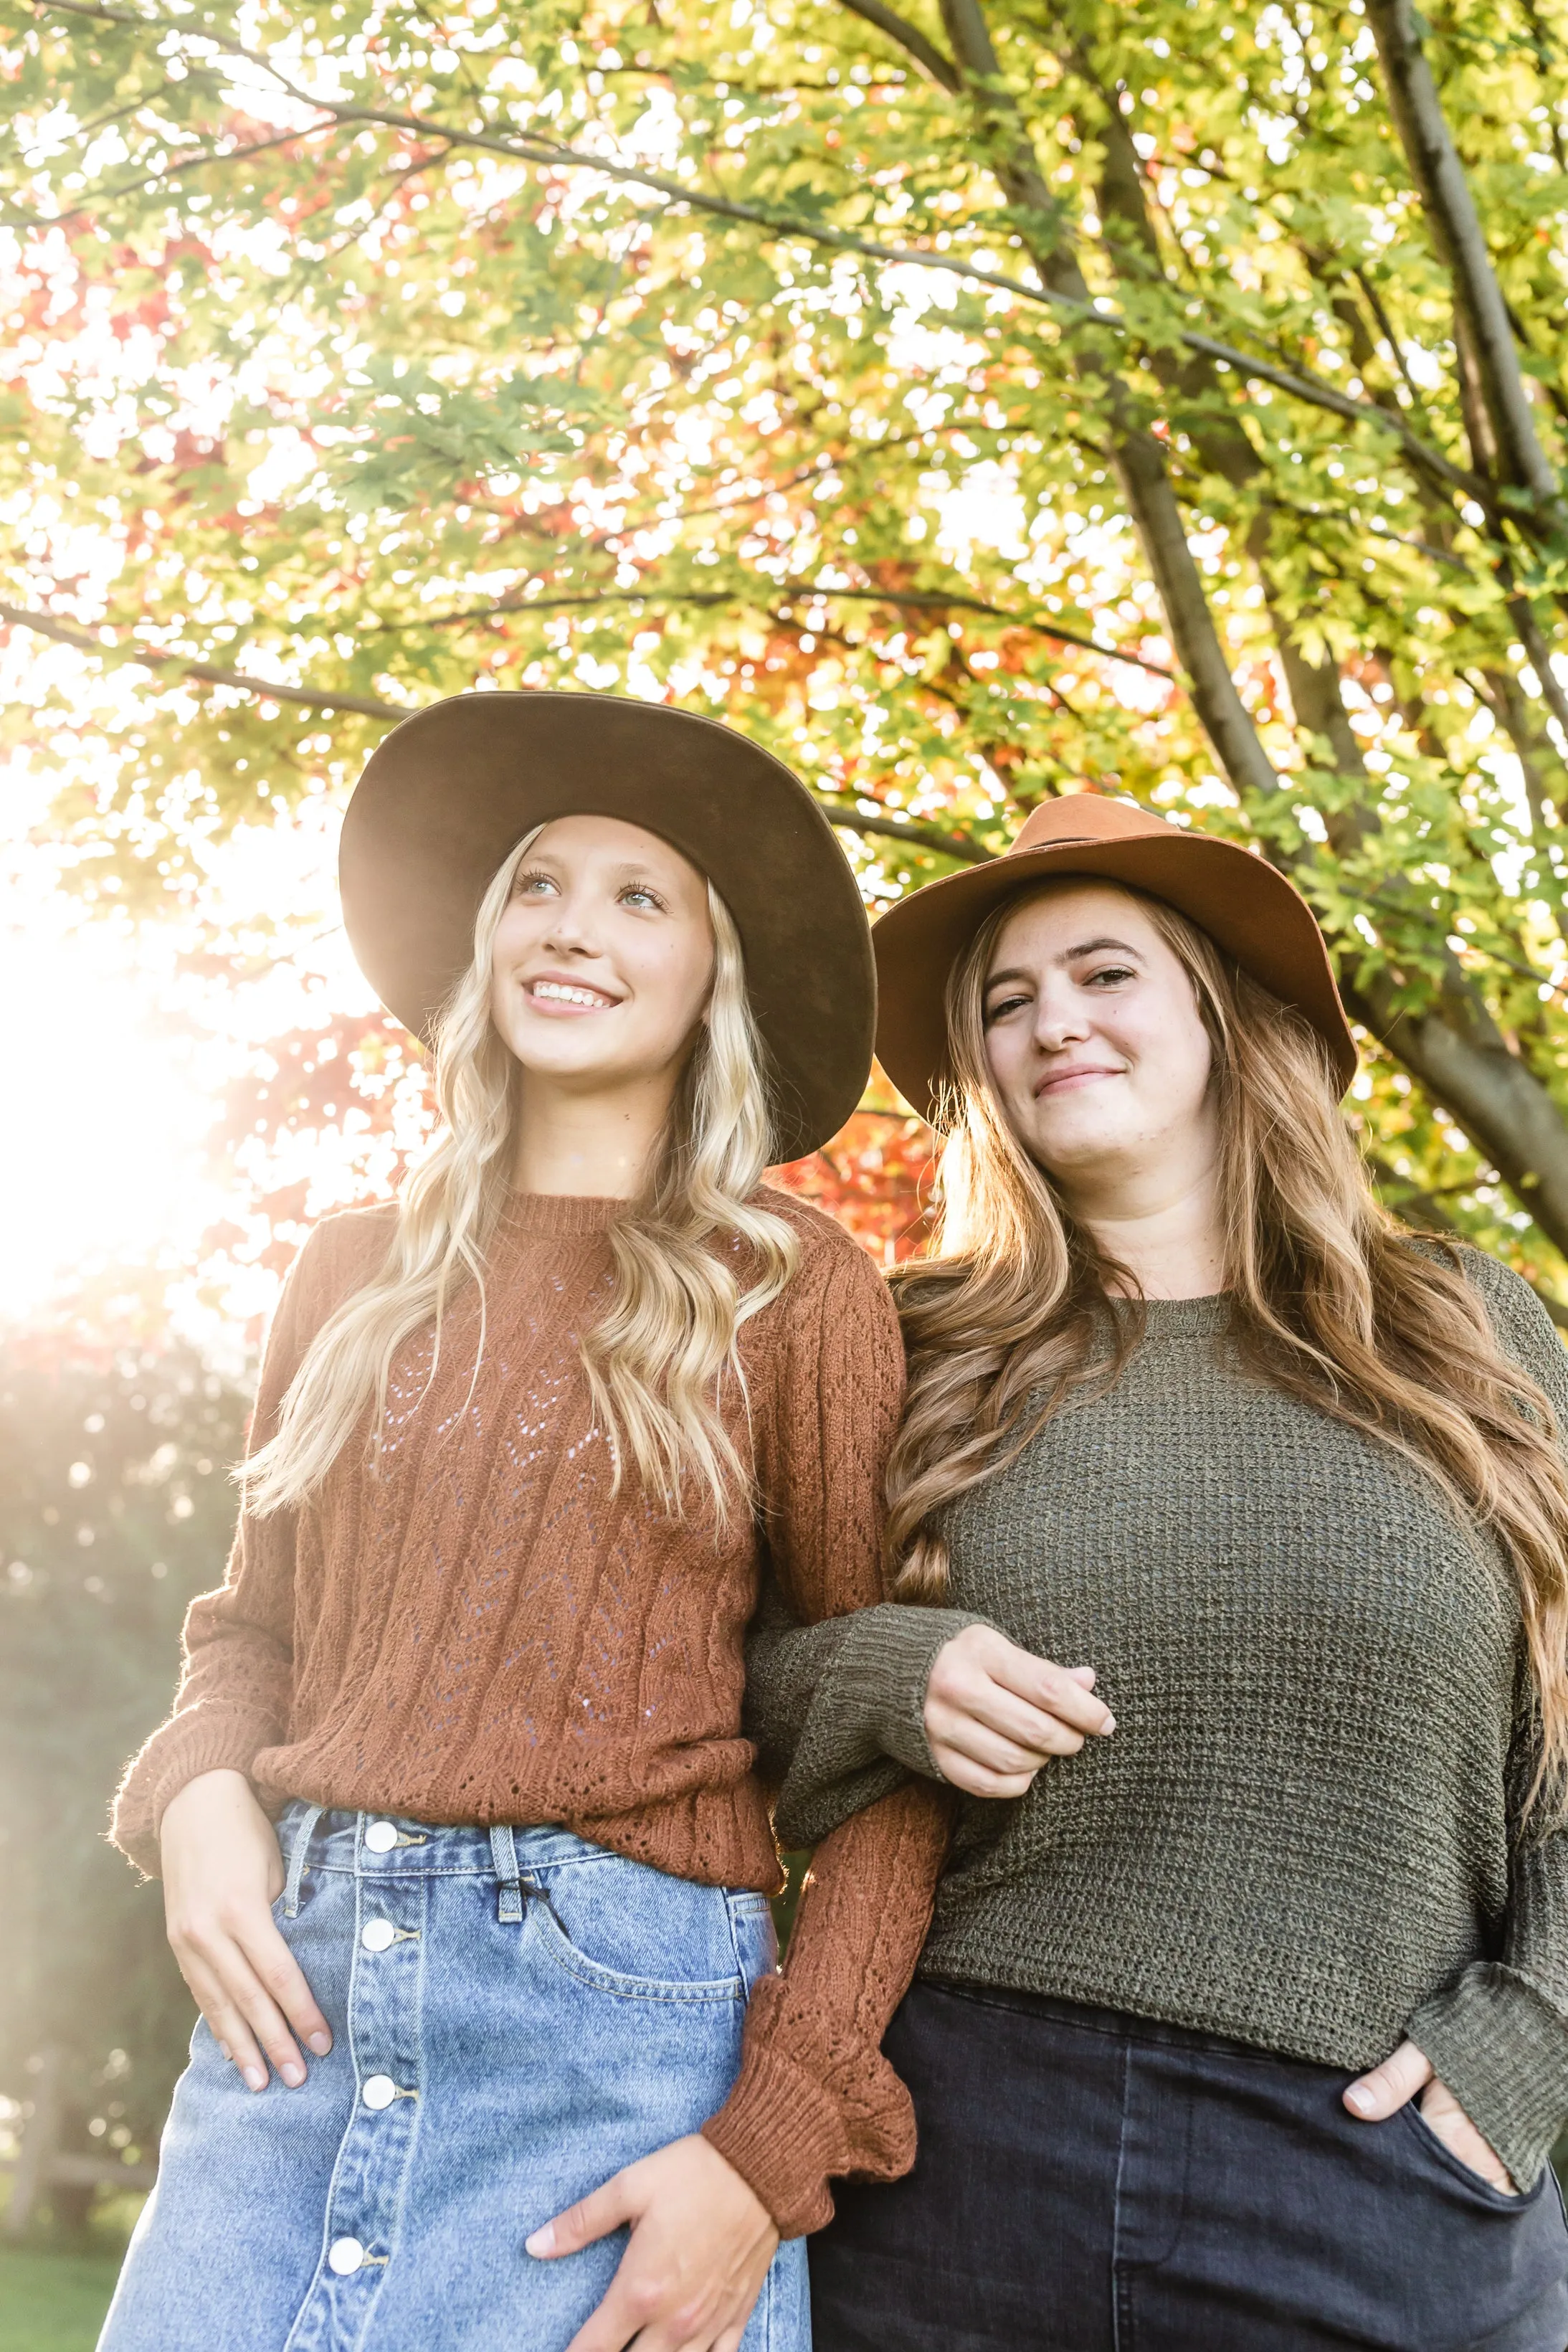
x=516, y=2015
x=1089, y=2181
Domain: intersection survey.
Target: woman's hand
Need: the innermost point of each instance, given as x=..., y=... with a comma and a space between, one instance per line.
x=1376, y=2096
x=995, y=1714
x=701, y=2243
x=222, y=1874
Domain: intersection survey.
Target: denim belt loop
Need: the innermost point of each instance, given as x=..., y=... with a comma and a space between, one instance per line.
x=297, y=1860
x=504, y=1855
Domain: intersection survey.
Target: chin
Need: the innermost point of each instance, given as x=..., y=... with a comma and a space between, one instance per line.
x=1063, y=1145
x=556, y=1049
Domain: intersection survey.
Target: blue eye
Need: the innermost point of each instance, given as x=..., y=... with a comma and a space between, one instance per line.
x=639, y=894
x=531, y=886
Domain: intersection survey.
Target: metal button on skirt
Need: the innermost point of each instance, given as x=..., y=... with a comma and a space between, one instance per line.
x=515, y=2014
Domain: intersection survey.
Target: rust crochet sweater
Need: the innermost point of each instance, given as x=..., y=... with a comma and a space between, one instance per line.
x=481, y=1630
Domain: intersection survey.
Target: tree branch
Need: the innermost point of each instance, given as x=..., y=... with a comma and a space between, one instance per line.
x=1463, y=1061
x=1457, y=1053
x=1440, y=182
x=44, y=624
x=1421, y=1209
x=844, y=813
x=853, y=819
x=1538, y=654
x=908, y=37
x=520, y=147
x=796, y=592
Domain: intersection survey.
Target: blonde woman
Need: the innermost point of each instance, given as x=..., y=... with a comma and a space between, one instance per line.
x=1232, y=1528
x=499, y=1985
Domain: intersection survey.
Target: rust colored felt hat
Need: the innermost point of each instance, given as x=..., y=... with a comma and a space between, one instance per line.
x=455, y=787
x=1246, y=906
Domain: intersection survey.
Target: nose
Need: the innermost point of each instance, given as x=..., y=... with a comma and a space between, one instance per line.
x=571, y=932
x=1060, y=1017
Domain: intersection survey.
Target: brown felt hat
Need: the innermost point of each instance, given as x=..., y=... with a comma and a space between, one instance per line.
x=1246, y=906
x=453, y=788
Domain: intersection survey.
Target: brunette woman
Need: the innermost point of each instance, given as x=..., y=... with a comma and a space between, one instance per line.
x=1243, y=2020
x=479, y=1649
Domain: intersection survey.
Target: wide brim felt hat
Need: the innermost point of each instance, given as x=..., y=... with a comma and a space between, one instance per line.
x=452, y=789
x=1246, y=906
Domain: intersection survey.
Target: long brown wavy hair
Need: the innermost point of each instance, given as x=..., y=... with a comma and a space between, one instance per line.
x=1336, y=1303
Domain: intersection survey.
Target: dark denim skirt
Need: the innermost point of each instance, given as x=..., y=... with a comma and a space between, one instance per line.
x=1093, y=2182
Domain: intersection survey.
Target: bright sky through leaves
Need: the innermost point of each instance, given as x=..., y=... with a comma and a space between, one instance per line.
x=558, y=342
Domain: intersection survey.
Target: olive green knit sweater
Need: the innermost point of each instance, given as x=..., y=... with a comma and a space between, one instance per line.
x=1301, y=1834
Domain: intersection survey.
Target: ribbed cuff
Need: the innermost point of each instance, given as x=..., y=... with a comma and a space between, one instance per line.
x=785, y=2136
x=1503, y=2050
x=176, y=1755
x=869, y=1708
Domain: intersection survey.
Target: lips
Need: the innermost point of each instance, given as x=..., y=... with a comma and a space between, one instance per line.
x=1057, y=1081
x=572, y=994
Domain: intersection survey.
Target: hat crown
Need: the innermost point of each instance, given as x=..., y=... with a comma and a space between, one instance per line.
x=1084, y=816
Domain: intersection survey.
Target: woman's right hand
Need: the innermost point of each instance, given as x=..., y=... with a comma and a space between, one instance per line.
x=222, y=1874
x=995, y=1714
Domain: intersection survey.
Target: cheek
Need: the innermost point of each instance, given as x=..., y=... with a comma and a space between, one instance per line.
x=672, y=980
x=514, y=936
x=1006, y=1050
x=1172, y=1058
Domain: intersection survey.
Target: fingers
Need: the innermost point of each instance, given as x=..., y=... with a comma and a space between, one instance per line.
x=227, y=2027
x=590, y=2219
x=1446, y=2118
x=974, y=1779
x=1382, y=2093
x=981, y=1672
x=999, y=1731
x=995, y=1713
x=242, y=2013
x=1057, y=1691
x=635, y=2312
x=285, y=1981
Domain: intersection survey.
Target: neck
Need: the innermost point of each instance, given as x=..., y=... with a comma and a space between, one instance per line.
x=593, y=1145
x=1164, y=1227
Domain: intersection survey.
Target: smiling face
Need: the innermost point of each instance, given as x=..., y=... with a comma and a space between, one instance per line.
x=1094, y=1044
x=603, y=956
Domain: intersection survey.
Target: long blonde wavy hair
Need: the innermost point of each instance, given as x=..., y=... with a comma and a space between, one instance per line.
x=1334, y=1304
x=693, y=1259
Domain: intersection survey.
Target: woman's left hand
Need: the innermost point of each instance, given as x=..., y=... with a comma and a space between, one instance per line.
x=701, y=2243
x=1376, y=2097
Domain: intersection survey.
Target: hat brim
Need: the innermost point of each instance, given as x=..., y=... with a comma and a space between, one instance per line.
x=1246, y=906
x=452, y=790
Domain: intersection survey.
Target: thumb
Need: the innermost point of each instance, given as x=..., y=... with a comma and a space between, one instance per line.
x=591, y=2217
x=1376, y=2097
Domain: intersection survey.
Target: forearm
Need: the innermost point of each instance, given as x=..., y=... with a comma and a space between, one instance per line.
x=1502, y=2047
x=815, y=2098
x=233, y=1701
x=1498, y=2032
x=835, y=1709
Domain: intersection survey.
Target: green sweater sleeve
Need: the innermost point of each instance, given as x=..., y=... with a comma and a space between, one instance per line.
x=1498, y=2033
x=835, y=1709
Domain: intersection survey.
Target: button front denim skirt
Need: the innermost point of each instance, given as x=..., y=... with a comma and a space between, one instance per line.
x=515, y=2014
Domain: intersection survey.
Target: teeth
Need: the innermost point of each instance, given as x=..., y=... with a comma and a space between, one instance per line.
x=560, y=994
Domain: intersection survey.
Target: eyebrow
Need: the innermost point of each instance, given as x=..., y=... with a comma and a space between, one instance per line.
x=1068, y=955
x=627, y=871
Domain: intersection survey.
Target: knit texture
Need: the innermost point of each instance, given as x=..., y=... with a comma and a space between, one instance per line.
x=475, y=1628
x=1301, y=1834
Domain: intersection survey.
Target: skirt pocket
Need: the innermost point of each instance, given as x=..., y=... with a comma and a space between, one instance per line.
x=635, y=1932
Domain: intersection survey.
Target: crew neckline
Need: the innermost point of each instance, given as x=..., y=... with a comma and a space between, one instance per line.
x=559, y=1215
x=1181, y=1318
